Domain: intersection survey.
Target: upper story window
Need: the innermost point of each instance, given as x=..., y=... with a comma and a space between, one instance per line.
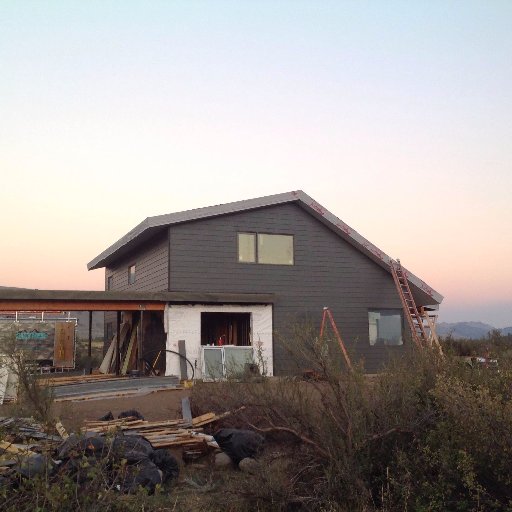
x=247, y=247
x=131, y=274
x=385, y=326
x=110, y=282
x=265, y=248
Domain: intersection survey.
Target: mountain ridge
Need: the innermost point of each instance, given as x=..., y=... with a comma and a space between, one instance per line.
x=469, y=330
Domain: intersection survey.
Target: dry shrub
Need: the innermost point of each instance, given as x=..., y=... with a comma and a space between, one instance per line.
x=427, y=434
x=33, y=399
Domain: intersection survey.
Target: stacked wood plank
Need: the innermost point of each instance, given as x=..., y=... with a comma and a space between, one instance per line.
x=77, y=379
x=161, y=434
x=128, y=348
x=79, y=389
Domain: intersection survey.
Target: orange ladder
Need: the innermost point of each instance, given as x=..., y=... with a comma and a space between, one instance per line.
x=328, y=315
x=414, y=318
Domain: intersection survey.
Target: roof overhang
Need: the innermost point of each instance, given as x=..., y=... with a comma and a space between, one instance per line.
x=18, y=299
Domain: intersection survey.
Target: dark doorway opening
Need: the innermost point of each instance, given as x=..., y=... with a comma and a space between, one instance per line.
x=154, y=340
x=226, y=329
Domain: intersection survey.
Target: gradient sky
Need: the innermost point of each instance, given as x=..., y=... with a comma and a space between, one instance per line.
x=396, y=116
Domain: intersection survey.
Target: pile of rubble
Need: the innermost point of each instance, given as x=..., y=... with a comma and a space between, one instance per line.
x=131, y=451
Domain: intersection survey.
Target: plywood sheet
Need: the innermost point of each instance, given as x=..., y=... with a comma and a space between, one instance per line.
x=64, y=347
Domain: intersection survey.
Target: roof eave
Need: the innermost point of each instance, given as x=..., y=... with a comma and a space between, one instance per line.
x=366, y=247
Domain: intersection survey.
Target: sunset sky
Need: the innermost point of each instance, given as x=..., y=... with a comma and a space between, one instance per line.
x=395, y=116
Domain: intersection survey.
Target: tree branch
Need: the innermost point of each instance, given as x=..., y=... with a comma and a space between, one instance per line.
x=304, y=439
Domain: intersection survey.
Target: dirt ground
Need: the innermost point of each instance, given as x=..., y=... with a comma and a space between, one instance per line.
x=161, y=405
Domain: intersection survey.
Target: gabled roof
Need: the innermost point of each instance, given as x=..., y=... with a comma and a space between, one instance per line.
x=152, y=225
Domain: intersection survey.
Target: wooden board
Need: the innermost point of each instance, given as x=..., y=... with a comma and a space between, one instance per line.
x=11, y=389
x=129, y=350
x=107, y=360
x=64, y=345
x=4, y=377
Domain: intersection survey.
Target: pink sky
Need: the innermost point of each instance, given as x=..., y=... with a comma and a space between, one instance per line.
x=396, y=119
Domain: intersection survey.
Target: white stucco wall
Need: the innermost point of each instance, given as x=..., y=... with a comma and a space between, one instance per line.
x=184, y=323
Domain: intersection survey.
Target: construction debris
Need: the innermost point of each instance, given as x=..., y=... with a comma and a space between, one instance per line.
x=129, y=444
x=161, y=434
x=77, y=379
x=79, y=389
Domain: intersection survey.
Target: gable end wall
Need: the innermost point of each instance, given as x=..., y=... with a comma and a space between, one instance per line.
x=327, y=272
x=152, y=267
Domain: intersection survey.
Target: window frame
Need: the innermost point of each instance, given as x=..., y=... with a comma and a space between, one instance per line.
x=130, y=279
x=399, y=311
x=255, y=235
x=256, y=248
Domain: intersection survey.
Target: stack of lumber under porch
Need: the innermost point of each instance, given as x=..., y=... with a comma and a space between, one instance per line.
x=161, y=434
x=77, y=379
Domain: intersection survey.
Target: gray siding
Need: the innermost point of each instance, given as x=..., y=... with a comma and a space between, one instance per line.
x=327, y=272
x=152, y=267
x=152, y=271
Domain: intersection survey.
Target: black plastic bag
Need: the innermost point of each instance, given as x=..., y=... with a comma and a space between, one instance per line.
x=239, y=444
x=132, y=448
x=145, y=474
x=167, y=463
x=131, y=412
x=91, y=444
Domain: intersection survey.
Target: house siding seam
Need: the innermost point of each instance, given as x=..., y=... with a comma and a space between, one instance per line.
x=327, y=271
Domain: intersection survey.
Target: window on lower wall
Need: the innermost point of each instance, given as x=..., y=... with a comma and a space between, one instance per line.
x=226, y=329
x=385, y=326
x=265, y=248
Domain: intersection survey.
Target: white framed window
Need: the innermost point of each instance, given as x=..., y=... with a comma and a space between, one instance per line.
x=385, y=327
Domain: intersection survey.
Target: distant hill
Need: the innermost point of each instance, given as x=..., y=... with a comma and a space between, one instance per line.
x=469, y=330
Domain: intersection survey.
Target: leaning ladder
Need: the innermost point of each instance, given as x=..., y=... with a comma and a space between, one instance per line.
x=415, y=320
x=328, y=315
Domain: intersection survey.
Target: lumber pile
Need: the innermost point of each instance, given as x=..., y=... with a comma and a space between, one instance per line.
x=161, y=434
x=24, y=431
x=128, y=350
x=77, y=379
x=76, y=389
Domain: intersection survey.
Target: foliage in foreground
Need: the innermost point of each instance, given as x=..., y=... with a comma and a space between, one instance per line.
x=427, y=434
